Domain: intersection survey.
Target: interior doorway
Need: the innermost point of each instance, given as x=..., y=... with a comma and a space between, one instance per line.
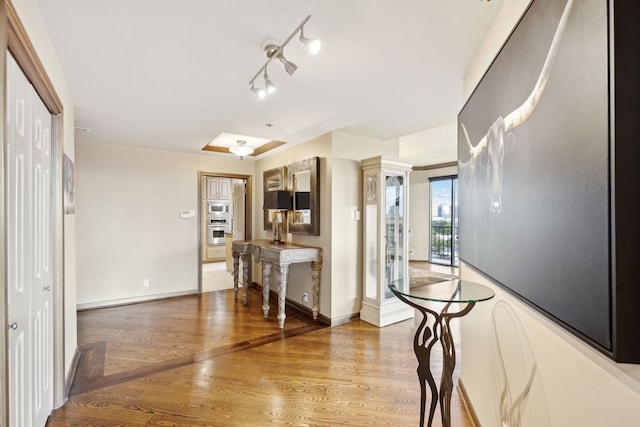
x=225, y=216
x=443, y=219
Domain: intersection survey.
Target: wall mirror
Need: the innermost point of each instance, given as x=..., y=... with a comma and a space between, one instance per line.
x=273, y=180
x=304, y=184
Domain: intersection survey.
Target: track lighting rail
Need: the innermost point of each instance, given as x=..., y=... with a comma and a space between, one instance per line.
x=277, y=51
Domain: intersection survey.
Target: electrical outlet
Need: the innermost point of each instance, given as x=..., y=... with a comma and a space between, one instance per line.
x=305, y=297
x=145, y=283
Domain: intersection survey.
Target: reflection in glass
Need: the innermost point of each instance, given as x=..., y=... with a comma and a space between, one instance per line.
x=302, y=197
x=304, y=184
x=371, y=187
x=371, y=251
x=394, y=223
x=273, y=180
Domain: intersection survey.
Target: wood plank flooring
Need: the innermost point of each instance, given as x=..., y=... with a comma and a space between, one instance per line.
x=207, y=360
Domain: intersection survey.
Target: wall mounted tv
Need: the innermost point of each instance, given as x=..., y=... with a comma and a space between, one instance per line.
x=546, y=200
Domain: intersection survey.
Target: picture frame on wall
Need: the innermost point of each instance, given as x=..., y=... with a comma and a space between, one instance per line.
x=273, y=180
x=69, y=186
x=304, y=184
x=534, y=186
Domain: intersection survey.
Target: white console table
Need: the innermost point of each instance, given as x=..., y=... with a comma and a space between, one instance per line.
x=282, y=255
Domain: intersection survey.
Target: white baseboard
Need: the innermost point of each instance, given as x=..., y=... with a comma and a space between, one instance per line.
x=467, y=404
x=343, y=319
x=132, y=300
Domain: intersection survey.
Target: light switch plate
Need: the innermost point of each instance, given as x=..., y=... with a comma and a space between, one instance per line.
x=188, y=214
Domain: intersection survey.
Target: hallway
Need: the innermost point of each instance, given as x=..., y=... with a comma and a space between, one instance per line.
x=210, y=361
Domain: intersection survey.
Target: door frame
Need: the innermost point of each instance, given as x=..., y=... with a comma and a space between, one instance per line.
x=454, y=217
x=248, y=209
x=14, y=38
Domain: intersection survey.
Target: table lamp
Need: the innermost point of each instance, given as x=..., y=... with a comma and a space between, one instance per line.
x=279, y=202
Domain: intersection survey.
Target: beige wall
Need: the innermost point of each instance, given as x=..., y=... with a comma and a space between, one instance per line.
x=431, y=146
x=300, y=274
x=426, y=148
x=346, y=197
x=128, y=226
x=340, y=235
x=128, y=200
x=30, y=17
x=572, y=384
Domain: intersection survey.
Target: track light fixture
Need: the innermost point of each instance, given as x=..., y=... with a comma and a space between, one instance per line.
x=260, y=93
x=289, y=67
x=268, y=84
x=312, y=44
x=274, y=51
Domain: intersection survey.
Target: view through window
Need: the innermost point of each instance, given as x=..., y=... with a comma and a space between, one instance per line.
x=444, y=220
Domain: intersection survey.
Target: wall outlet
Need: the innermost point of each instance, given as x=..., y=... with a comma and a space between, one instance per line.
x=145, y=283
x=305, y=297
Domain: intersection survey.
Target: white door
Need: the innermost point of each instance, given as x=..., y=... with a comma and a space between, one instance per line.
x=29, y=221
x=42, y=258
x=18, y=152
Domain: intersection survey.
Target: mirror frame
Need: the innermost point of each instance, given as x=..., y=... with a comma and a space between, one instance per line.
x=313, y=166
x=278, y=175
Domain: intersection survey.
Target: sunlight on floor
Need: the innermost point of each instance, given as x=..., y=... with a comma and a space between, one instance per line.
x=216, y=277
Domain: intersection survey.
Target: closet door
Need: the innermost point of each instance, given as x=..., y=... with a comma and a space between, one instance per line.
x=41, y=260
x=29, y=240
x=18, y=152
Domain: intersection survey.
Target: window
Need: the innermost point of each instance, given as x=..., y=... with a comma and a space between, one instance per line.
x=444, y=220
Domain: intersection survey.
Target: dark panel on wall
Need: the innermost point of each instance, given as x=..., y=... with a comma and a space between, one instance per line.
x=534, y=167
x=626, y=177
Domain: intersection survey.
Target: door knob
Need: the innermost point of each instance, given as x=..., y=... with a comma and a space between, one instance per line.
x=47, y=288
x=13, y=326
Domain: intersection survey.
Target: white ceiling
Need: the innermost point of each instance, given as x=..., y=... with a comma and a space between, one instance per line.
x=173, y=75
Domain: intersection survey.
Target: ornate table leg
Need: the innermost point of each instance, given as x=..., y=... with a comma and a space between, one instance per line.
x=315, y=277
x=245, y=276
x=425, y=338
x=449, y=361
x=283, y=277
x=236, y=264
x=423, y=342
x=266, y=280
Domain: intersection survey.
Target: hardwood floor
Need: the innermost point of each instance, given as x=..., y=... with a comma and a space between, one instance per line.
x=208, y=360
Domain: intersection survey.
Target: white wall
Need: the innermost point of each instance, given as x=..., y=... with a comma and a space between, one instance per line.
x=128, y=227
x=30, y=17
x=573, y=384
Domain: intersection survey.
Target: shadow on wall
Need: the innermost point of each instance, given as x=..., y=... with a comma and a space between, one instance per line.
x=517, y=382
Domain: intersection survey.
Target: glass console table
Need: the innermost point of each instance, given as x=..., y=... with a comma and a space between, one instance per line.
x=428, y=333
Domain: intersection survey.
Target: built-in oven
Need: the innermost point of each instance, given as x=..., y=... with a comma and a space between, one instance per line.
x=218, y=207
x=216, y=230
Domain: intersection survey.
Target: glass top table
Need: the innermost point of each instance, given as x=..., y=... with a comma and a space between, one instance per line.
x=451, y=292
